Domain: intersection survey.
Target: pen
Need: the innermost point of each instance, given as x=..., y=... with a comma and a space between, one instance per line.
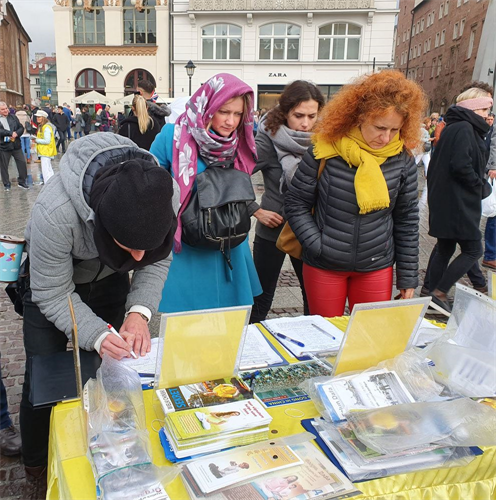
x=252, y=367
x=285, y=337
x=323, y=331
x=114, y=331
x=146, y=374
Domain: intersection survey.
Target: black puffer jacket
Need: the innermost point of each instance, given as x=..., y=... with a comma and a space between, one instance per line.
x=337, y=237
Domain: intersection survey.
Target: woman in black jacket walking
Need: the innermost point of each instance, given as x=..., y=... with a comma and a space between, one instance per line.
x=455, y=189
x=140, y=127
x=283, y=136
x=365, y=203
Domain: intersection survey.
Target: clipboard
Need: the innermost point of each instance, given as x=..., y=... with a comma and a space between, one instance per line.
x=378, y=331
x=60, y=376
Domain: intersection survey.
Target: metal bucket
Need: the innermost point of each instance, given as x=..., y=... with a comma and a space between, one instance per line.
x=10, y=257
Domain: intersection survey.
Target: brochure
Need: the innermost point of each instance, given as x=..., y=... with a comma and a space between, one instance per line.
x=222, y=419
x=366, y=390
x=218, y=471
x=280, y=397
x=208, y=393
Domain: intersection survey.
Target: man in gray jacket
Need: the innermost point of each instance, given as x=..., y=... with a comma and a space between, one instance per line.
x=111, y=209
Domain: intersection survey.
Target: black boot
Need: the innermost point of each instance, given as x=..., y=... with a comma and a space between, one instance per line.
x=36, y=479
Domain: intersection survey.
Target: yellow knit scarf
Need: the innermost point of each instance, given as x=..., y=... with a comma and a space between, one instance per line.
x=370, y=186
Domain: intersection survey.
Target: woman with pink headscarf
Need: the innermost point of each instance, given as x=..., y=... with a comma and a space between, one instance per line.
x=217, y=126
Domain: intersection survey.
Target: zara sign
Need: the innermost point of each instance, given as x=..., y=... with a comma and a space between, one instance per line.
x=112, y=68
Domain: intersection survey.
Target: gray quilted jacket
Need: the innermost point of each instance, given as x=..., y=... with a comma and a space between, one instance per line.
x=337, y=237
x=61, y=247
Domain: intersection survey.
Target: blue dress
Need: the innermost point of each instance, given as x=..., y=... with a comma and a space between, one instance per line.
x=200, y=278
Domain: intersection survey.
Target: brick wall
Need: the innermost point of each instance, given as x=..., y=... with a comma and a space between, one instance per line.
x=443, y=70
x=14, y=58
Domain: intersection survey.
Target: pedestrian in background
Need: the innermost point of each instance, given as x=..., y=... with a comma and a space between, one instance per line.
x=45, y=144
x=87, y=120
x=63, y=125
x=455, y=190
x=10, y=439
x=10, y=146
x=489, y=259
x=70, y=116
x=283, y=137
x=78, y=124
x=140, y=127
x=25, y=121
x=361, y=216
x=423, y=151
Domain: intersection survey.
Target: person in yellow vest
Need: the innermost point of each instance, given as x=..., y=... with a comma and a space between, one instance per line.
x=45, y=144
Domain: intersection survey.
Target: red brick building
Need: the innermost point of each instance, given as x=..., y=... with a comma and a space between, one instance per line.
x=436, y=45
x=14, y=57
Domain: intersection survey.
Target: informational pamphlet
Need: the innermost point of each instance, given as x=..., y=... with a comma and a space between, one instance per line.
x=207, y=393
x=366, y=390
x=218, y=471
x=280, y=397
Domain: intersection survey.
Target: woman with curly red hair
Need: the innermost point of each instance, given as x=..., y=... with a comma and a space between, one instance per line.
x=360, y=217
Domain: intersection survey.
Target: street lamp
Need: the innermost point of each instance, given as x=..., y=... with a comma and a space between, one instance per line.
x=190, y=70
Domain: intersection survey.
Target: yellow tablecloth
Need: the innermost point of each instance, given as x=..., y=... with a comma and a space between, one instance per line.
x=70, y=475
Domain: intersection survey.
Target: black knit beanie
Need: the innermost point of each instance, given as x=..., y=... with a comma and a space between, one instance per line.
x=132, y=201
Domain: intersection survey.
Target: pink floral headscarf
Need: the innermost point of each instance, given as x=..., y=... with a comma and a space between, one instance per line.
x=191, y=138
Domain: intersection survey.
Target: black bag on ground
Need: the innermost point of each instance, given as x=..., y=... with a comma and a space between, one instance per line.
x=217, y=215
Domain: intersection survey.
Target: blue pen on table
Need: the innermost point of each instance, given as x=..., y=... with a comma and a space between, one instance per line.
x=289, y=339
x=115, y=332
x=323, y=331
x=143, y=375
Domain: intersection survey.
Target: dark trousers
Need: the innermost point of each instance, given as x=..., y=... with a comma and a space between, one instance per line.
x=4, y=406
x=62, y=139
x=268, y=262
x=107, y=299
x=474, y=273
x=444, y=275
x=20, y=164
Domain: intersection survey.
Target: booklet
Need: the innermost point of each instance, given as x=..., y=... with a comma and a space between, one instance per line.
x=207, y=393
x=371, y=389
x=230, y=417
x=305, y=334
x=317, y=478
x=213, y=473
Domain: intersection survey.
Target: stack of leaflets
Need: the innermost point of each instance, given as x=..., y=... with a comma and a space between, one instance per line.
x=272, y=472
x=207, y=393
x=214, y=428
x=366, y=390
x=363, y=463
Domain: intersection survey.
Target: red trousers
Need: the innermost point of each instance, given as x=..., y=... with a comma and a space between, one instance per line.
x=327, y=290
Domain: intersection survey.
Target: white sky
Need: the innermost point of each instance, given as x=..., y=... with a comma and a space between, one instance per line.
x=37, y=19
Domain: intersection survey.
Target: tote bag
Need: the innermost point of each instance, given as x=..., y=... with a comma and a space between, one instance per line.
x=489, y=203
x=287, y=241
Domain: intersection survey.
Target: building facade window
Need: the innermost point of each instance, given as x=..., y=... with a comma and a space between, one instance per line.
x=37, y=81
x=446, y=8
x=455, y=31
x=422, y=23
x=436, y=42
x=38, y=94
x=439, y=65
x=279, y=41
x=221, y=41
x=462, y=26
x=443, y=36
x=441, y=10
x=339, y=41
x=458, y=3
x=133, y=77
x=140, y=26
x=88, y=26
x=433, y=67
x=471, y=43
x=88, y=80
x=429, y=44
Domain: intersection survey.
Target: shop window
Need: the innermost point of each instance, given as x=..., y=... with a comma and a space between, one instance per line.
x=279, y=41
x=221, y=41
x=339, y=41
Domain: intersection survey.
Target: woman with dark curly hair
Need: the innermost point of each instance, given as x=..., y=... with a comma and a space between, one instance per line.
x=365, y=205
x=283, y=137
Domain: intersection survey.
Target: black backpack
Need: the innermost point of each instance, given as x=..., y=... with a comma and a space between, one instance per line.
x=217, y=214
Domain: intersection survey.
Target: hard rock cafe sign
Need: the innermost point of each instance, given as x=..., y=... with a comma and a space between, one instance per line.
x=112, y=68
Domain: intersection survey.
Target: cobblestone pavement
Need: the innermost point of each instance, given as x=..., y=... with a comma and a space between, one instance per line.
x=14, y=212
